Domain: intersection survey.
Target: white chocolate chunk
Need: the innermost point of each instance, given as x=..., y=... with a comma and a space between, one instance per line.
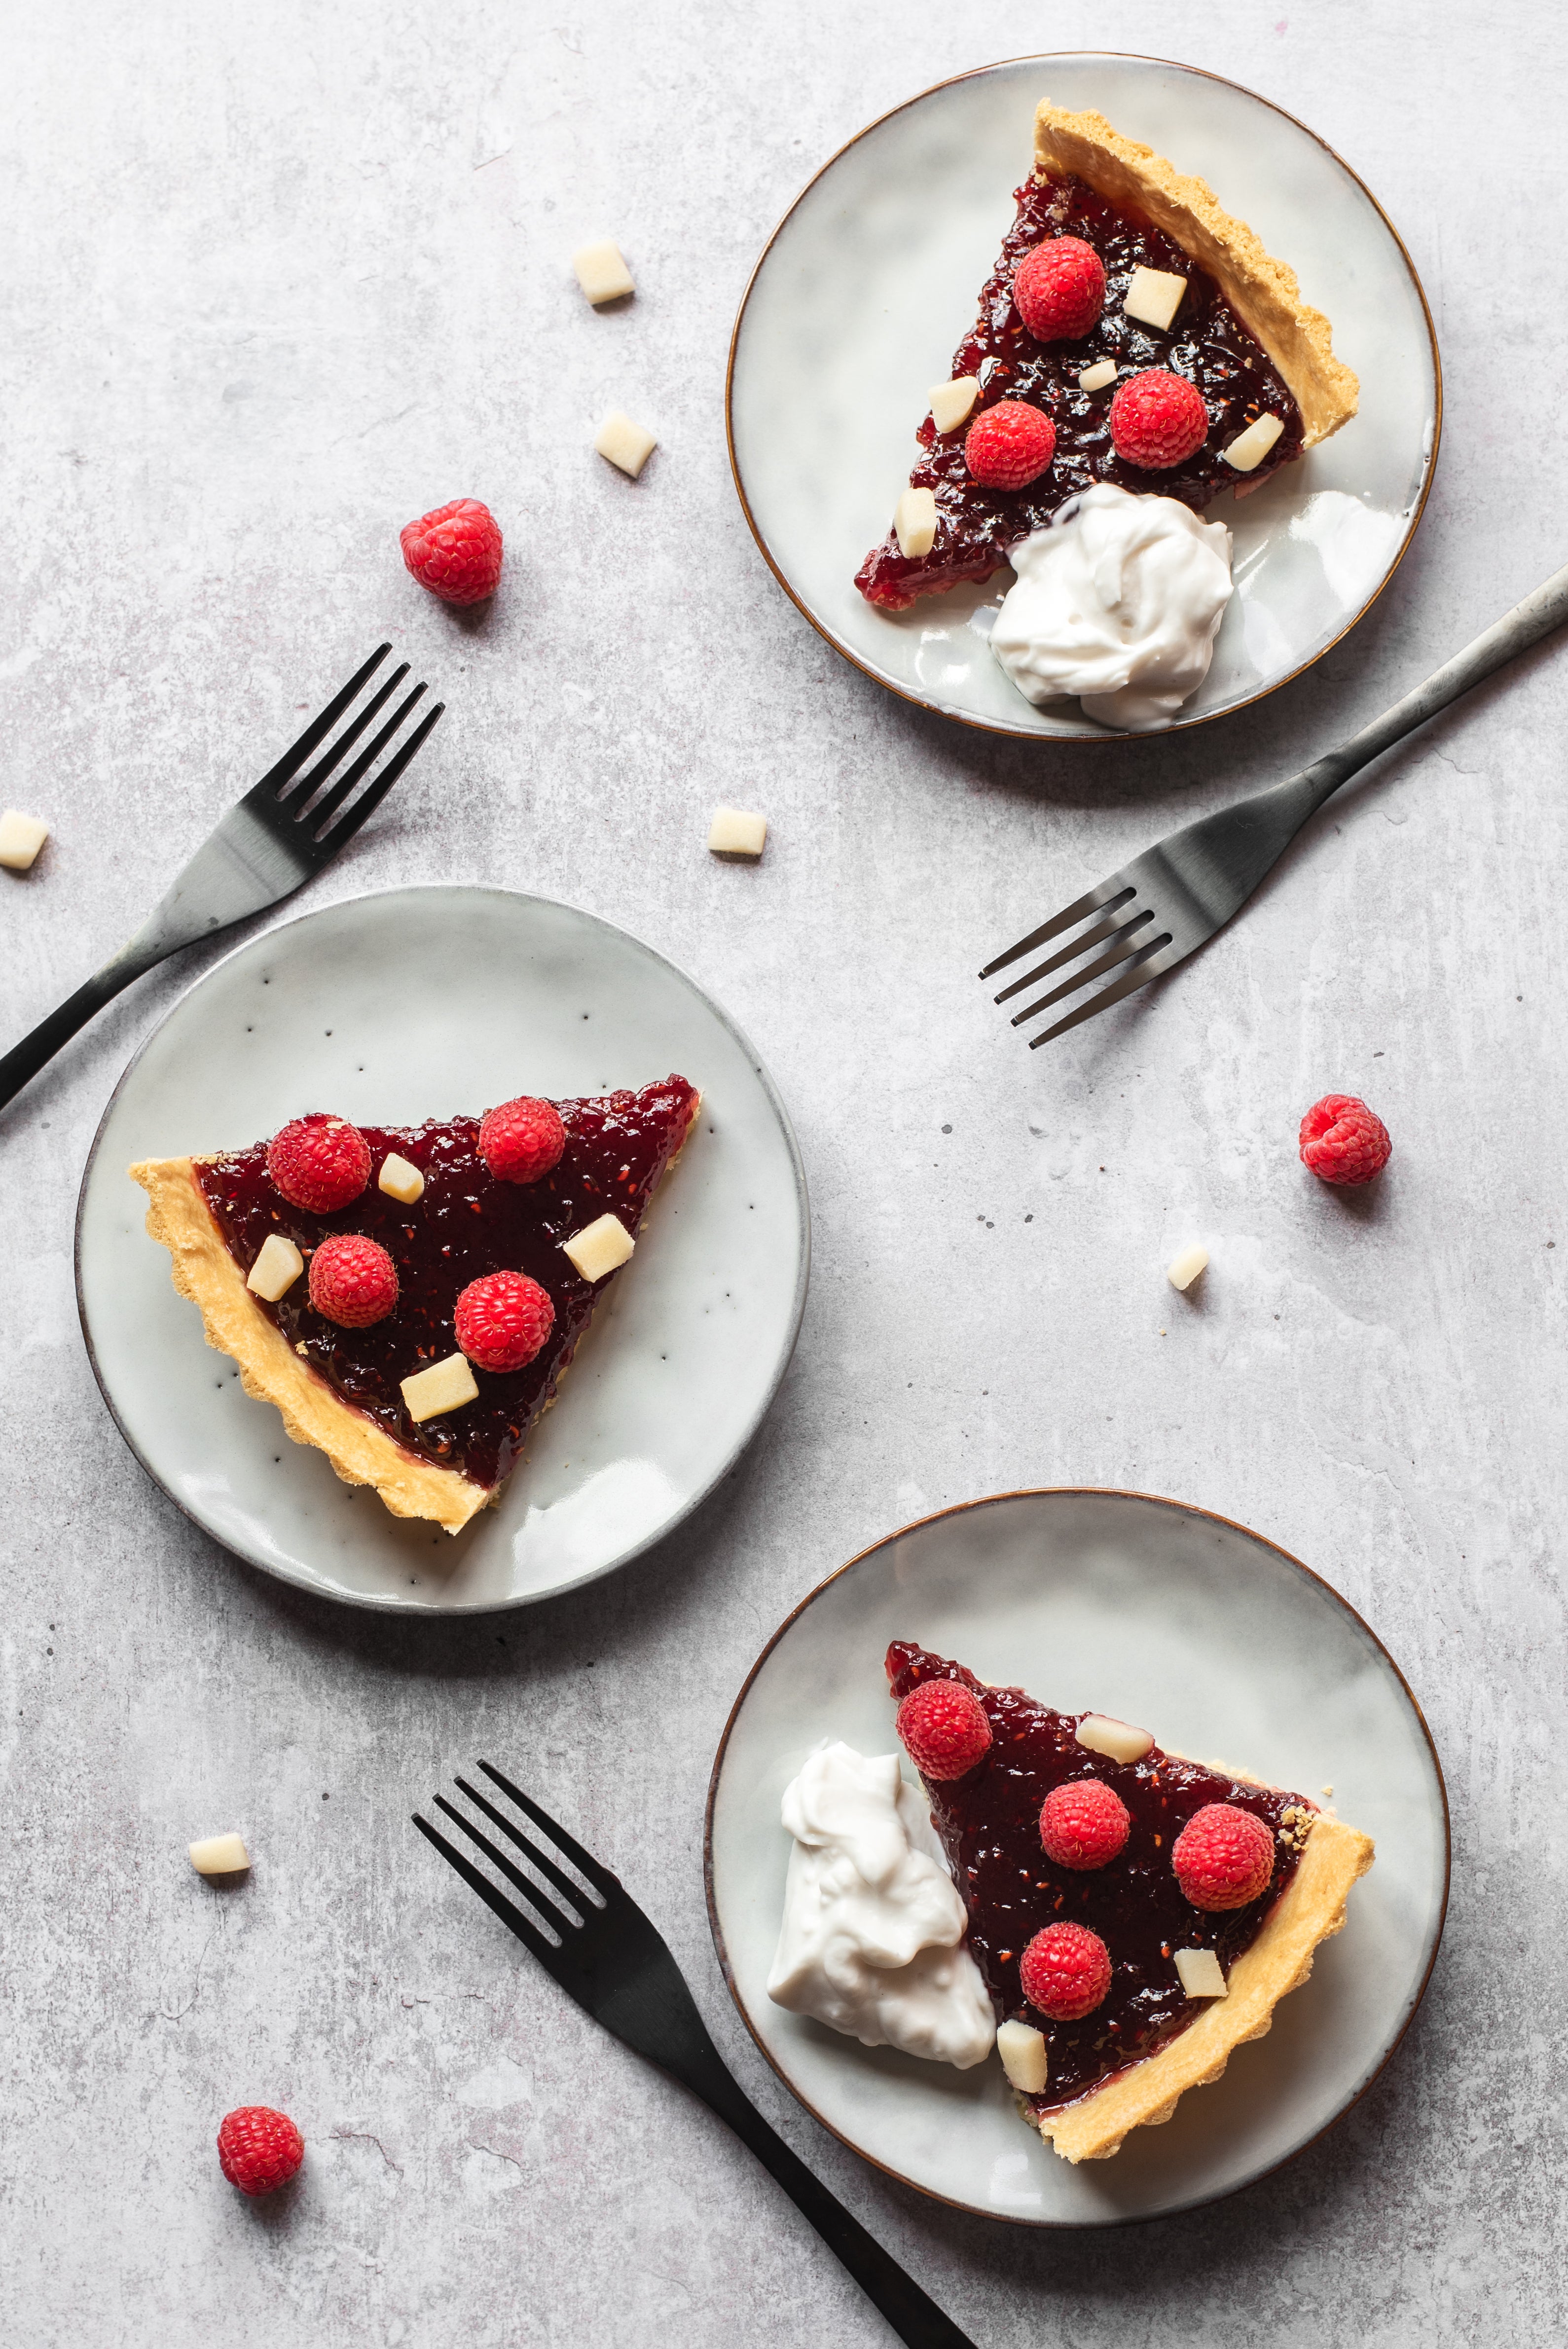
x=445, y=1386
x=400, y=1180
x=1202, y=1974
x=624, y=443
x=21, y=837
x=1249, y=449
x=1184, y=1268
x=1023, y=2052
x=951, y=402
x=915, y=524
x=600, y=1247
x=734, y=831
x=1154, y=298
x=222, y=1855
x=278, y=1266
x=1113, y=1738
x=601, y=271
x=1096, y=377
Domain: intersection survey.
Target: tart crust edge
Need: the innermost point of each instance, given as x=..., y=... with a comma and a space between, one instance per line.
x=361, y=1453
x=1263, y=292
x=1310, y=1910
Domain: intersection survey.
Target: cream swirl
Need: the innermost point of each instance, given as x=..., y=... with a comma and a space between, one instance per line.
x=1117, y=600
x=872, y=1939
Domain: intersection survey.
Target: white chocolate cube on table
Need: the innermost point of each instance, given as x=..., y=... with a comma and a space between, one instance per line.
x=625, y=444
x=219, y=1855
x=21, y=837
x=601, y=271
x=735, y=831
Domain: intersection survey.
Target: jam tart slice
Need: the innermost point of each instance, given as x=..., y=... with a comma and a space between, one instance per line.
x=341, y=1389
x=1240, y=332
x=1125, y=2063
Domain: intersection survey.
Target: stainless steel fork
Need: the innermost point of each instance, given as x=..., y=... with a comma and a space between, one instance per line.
x=270, y=842
x=1173, y=897
x=604, y=1953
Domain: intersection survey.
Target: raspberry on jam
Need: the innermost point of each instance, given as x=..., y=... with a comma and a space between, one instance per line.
x=1208, y=345
x=467, y=1225
x=1133, y=1902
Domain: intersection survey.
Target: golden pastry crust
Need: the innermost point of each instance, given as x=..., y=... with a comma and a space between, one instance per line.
x=1263, y=292
x=1310, y=1910
x=360, y=1451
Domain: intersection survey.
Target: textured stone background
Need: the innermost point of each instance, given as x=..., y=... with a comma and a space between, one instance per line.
x=276, y=278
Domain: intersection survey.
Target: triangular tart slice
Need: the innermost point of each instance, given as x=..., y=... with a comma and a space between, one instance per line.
x=1125, y=2064
x=341, y=1389
x=1241, y=332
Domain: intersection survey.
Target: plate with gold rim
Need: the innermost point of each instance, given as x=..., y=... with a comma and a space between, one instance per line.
x=1221, y=1643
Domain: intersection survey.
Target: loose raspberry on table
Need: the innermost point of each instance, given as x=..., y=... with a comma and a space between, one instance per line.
x=522, y=1140
x=1223, y=1857
x=353, y=1280
x=1158, y=419
x=503, y=1318
x=943, y=1728
x=1084, y=1824
x=454, y=551
x=258, y=2150
x=1343, y=1140
x=1009, y=445
x=319, y=1162
x=1065, y=1971
x=1059, y=288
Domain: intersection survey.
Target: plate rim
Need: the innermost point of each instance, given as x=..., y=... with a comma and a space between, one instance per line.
x=1045, y=1492
x=371, y=1602
x=1020, y=733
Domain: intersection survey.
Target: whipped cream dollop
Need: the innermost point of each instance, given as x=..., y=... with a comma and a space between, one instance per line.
x=1117, y=600
x=872, y=1931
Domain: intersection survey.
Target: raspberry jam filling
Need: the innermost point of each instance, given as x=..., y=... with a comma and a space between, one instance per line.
x=466, y=1224
x=989, y=1823
x=1208, y=344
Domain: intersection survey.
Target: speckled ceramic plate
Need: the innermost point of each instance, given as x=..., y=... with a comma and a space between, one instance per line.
x=1223, y=1645
x=426, y=1003
x=869, y=284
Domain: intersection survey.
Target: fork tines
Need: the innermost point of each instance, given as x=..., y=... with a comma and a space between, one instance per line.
x=1124, y=930
x=284, y=786
x=559, y=1907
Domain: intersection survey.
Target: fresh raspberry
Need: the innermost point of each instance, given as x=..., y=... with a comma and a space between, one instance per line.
x=1060, y=289
x=1343, y=1140
x=503, y=1318
x=943, y=1728
x=1010, y=445
x=522, y=1140
x=258, y=2150
x=1223, y=1857
x=454, y=551
x=319, y=1162
x=1084, y=1824
x=1065, y=1971
x=1158, y=419
x=353, y=1280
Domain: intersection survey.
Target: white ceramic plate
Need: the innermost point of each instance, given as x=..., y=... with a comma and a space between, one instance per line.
x=869, y=285
x=426, y=1003
x=1223, y=1645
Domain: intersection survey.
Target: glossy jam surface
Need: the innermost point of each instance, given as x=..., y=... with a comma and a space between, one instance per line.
x=465, y=1223
x=989, y=1823
x=1207, y=343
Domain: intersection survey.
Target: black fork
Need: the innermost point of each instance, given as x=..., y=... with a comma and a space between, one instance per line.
x=599, y=1947
x=285, y=829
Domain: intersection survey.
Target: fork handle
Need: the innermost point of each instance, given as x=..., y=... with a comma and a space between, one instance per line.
x=22, y=1064
x=1517, y=630
x=913, y=2314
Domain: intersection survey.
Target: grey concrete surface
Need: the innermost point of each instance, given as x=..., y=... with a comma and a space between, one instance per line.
x=274, y=280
